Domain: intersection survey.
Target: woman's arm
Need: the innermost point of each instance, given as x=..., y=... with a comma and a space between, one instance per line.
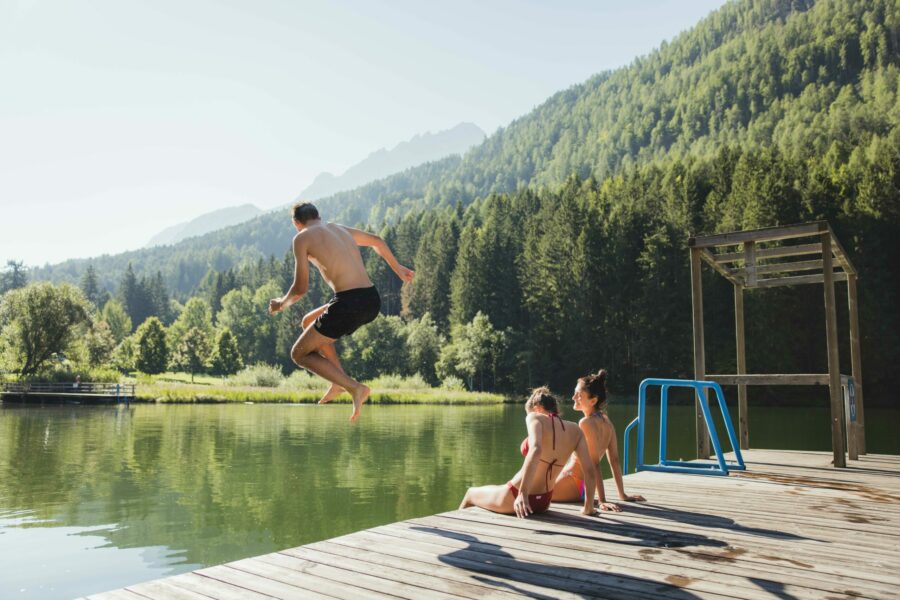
x=589, y=469
x=535, y=434
x=612, y=455
x=590, y=437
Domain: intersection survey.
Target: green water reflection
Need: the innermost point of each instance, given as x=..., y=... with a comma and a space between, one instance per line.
x=93, y=498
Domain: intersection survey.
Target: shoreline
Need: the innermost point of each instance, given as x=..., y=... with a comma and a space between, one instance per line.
x=205, y=394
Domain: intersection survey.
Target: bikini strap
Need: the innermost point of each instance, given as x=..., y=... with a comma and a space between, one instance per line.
x=553, y=427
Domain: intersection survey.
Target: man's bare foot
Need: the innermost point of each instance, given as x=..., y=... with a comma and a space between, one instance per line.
x=333, y=392
x=360, y=395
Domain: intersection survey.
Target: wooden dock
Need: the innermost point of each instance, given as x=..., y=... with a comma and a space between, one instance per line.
x=791, y=526
x=87, y=393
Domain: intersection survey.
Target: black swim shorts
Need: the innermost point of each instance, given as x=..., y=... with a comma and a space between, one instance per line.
x=348, y=311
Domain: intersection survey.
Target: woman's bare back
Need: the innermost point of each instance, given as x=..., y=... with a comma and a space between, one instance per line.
x=558, y=441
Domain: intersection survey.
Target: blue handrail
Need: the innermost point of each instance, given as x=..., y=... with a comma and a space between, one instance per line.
x=719, y=467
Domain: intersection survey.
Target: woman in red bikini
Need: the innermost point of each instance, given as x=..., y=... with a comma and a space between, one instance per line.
x=590, y=399
x=549, y=443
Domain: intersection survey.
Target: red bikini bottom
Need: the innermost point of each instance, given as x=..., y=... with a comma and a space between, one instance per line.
x=539, y=502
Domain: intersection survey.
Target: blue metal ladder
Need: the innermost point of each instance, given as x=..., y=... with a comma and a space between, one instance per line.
x=720, y=467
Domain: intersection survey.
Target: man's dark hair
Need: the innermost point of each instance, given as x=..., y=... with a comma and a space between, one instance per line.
x=304, y=211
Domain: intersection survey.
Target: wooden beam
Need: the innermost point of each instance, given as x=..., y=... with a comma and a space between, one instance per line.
x=779, y=252
x=783, y=267
x=750, y=263
x=767, y=234
x=743, y=417
x=856, y=363
x=771, y=379
x=725, y=272
x=699, y=352
x=840, y=253
x=799, y=280
x=834, y=365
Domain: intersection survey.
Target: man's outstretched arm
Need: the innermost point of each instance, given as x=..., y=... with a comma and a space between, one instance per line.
x=301, y=279
x=381, y=248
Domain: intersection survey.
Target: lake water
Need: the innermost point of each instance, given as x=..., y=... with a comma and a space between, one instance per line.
x=95, y=498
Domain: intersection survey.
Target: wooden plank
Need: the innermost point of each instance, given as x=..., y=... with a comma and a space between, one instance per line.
x=308, y=578
x=771, y=379
x=123, y=594
x=163, y=590
x=699, y=353
x=411, y=551
x=766, y=253
x=416, y=565
x=782, y=267
x=743, y=417
x=389, y=581
x=298, y=558
x=856, y=363
x=213, y=588
x=834, y=365
x=798, y=280
x=766, y=234
x=256, y=583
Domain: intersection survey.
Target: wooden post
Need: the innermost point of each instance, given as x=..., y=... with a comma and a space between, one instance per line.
x=856, y=364
x=699, y=352
x=834, y=365
x=743, y=417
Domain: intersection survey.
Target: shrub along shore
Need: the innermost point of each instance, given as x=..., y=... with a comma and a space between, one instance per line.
x=257, y=384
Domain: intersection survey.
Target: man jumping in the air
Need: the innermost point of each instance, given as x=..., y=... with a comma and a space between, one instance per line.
x=334, y=250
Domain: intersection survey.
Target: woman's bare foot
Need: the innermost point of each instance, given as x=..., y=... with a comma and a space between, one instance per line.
x=360, y=395
x=333, y=392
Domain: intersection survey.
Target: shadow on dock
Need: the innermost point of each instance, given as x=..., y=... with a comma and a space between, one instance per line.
x=499, y=568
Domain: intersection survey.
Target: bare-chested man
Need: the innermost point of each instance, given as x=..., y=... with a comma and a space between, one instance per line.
x=334, y=250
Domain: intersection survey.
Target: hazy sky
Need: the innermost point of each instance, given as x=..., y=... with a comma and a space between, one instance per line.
x=119, y=118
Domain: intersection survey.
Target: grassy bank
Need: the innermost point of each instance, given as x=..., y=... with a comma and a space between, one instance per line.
x=177, y=388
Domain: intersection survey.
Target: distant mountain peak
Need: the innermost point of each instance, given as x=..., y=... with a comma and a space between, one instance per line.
x=205, y=223
x=420, y=149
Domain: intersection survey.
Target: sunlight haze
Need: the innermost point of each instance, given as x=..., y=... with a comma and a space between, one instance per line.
x=119, y=119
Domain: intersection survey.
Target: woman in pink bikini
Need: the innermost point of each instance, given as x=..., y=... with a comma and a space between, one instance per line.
x=570, y=486
x=549, y=444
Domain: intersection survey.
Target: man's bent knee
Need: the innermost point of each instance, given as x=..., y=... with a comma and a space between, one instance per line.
x=298, y=355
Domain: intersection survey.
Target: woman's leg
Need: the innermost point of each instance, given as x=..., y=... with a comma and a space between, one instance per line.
x=495, y=498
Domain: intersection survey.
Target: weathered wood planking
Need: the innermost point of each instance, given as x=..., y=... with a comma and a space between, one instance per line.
x=792, y=526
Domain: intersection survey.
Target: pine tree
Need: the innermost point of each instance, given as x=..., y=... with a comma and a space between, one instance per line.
x=90, y=287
